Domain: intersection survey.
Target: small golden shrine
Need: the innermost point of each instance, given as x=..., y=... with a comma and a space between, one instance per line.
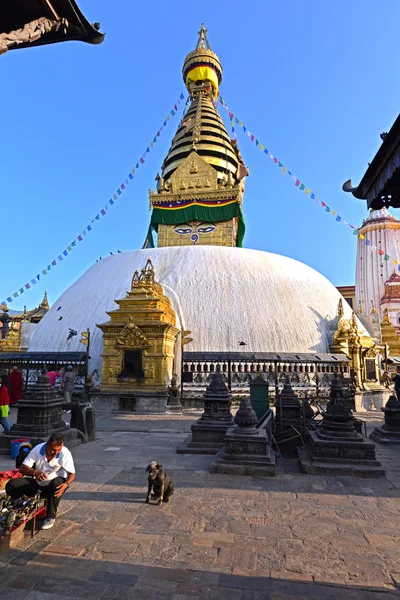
x=390, y=334
x=139, y=339
x=363, y=352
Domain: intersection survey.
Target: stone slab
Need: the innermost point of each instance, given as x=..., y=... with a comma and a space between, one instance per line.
x=323, y=467
x=383, y=436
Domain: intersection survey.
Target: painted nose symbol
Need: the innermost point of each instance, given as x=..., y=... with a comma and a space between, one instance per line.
x=194, y=237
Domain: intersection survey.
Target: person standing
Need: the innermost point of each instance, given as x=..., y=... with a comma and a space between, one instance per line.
x=4, y=403
x=16, y=385
x=52, y=374
x=49, y=469
x=68, y=383
x=396, y=380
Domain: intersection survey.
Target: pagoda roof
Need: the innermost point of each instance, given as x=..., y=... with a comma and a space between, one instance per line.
x=380, y=184
x=15, y=14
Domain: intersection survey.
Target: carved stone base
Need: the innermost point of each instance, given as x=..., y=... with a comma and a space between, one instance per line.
x=371, y=400
x=245, y=454
x=206, y=438
x=354, y=456
x=139, y=402
x=384, y=436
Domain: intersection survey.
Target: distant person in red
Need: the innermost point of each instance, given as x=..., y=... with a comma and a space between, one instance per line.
x=15, y=384
x=4, y=403
x=52, y=374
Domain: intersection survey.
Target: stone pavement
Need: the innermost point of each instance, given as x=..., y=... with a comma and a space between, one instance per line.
x=290, y=537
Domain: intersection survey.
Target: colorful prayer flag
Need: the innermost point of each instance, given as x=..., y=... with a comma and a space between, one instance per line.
x=9, y=300
x=307, y=191
x=60, y=257
x=302, y=186
x=44, y=272
x=15, y=294
x=284, y=169
x=334, y=212
x=96, y=217
x=119, y=192
x=142, y=160
x=355, y=232
x=181, y=96
x=122, y=186
x=27, y=286
x=297, y=182
x=327, y=209
x=103, y=212
x=89, y=228
x=111, y=202
x=115, y=196
x=386, y=257
x=33, y=281
x=80, y=238
x=381, y=252
x=338, y=218
x=21, y=290
x=54, y=263
x=130, y=176
x=312, y=196
x=361, y=237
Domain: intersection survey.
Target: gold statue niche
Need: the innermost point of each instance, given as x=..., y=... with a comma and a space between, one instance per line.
x=139, y=338
x=390, y=334
x=363, y=352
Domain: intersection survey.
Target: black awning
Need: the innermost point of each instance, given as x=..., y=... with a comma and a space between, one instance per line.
x=285, y=357
x=20, y=358
x=14, y=14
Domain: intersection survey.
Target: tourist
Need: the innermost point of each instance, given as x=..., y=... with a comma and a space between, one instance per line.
x=68, y=383
x=4, y=403
x=52, y=374
x=16, y=384
x=48, y=469
x=396, y=380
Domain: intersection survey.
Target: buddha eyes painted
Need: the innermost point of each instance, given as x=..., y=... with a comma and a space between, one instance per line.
x=203, y=228
x=181, y=230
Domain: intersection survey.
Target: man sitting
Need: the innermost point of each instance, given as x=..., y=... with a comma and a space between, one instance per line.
x=49, y=468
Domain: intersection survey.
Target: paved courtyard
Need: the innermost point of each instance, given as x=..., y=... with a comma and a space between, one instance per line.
x=239, y=538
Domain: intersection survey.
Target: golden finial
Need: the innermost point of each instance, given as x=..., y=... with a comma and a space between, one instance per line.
x=360, y=310
x=373, y=309
x=203, y=38
x=4, y=307
x=386, y=316
x=340, y=308
x=353, y=323
x=135, y=280
x=44, y=303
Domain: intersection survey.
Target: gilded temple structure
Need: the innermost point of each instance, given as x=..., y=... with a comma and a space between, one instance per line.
x=16, y=328
x=139, y=346
x=199, y=194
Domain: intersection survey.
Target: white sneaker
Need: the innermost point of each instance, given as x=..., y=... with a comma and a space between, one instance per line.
x=48, y=523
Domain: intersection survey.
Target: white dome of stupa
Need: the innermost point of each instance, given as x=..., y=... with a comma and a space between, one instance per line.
x=223, y=295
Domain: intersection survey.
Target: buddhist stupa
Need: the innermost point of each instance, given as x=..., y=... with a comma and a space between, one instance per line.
x=221, y=292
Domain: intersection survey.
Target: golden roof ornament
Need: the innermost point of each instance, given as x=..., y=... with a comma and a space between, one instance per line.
x=202, y=65
x=353, y=323
x=373, y=309
x=386, y=316
x=360, y=309
x=340, y=308
x=44, y=303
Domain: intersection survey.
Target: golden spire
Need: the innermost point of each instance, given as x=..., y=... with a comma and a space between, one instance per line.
x=360, y=309
x=373, y=309
x=203, y=38
x=340, y=308
x=386, y=316
x=44, y=303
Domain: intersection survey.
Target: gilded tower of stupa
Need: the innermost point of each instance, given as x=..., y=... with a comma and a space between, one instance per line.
x=199, y=193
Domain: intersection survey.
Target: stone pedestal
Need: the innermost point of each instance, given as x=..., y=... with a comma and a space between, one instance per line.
x=40, y=415
x=144, y=402
x=336, y=447
x=288, y=410
x=389, y=433
x=246, y=450
x=367, y=400
x=209, y=431
x=173, y=405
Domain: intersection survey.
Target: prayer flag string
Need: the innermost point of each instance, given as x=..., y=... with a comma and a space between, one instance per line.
x=103, y=211
x=299, y=184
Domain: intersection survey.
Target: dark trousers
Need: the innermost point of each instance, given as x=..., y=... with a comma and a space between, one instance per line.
x=26, y=486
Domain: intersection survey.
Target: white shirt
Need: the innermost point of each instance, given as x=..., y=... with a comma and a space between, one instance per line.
x=59, y=466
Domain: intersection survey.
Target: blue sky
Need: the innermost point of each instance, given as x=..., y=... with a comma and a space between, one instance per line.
x=316, y=82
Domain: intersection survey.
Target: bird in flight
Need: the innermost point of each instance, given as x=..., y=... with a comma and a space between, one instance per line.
x=71, y=334
x=242, y=344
